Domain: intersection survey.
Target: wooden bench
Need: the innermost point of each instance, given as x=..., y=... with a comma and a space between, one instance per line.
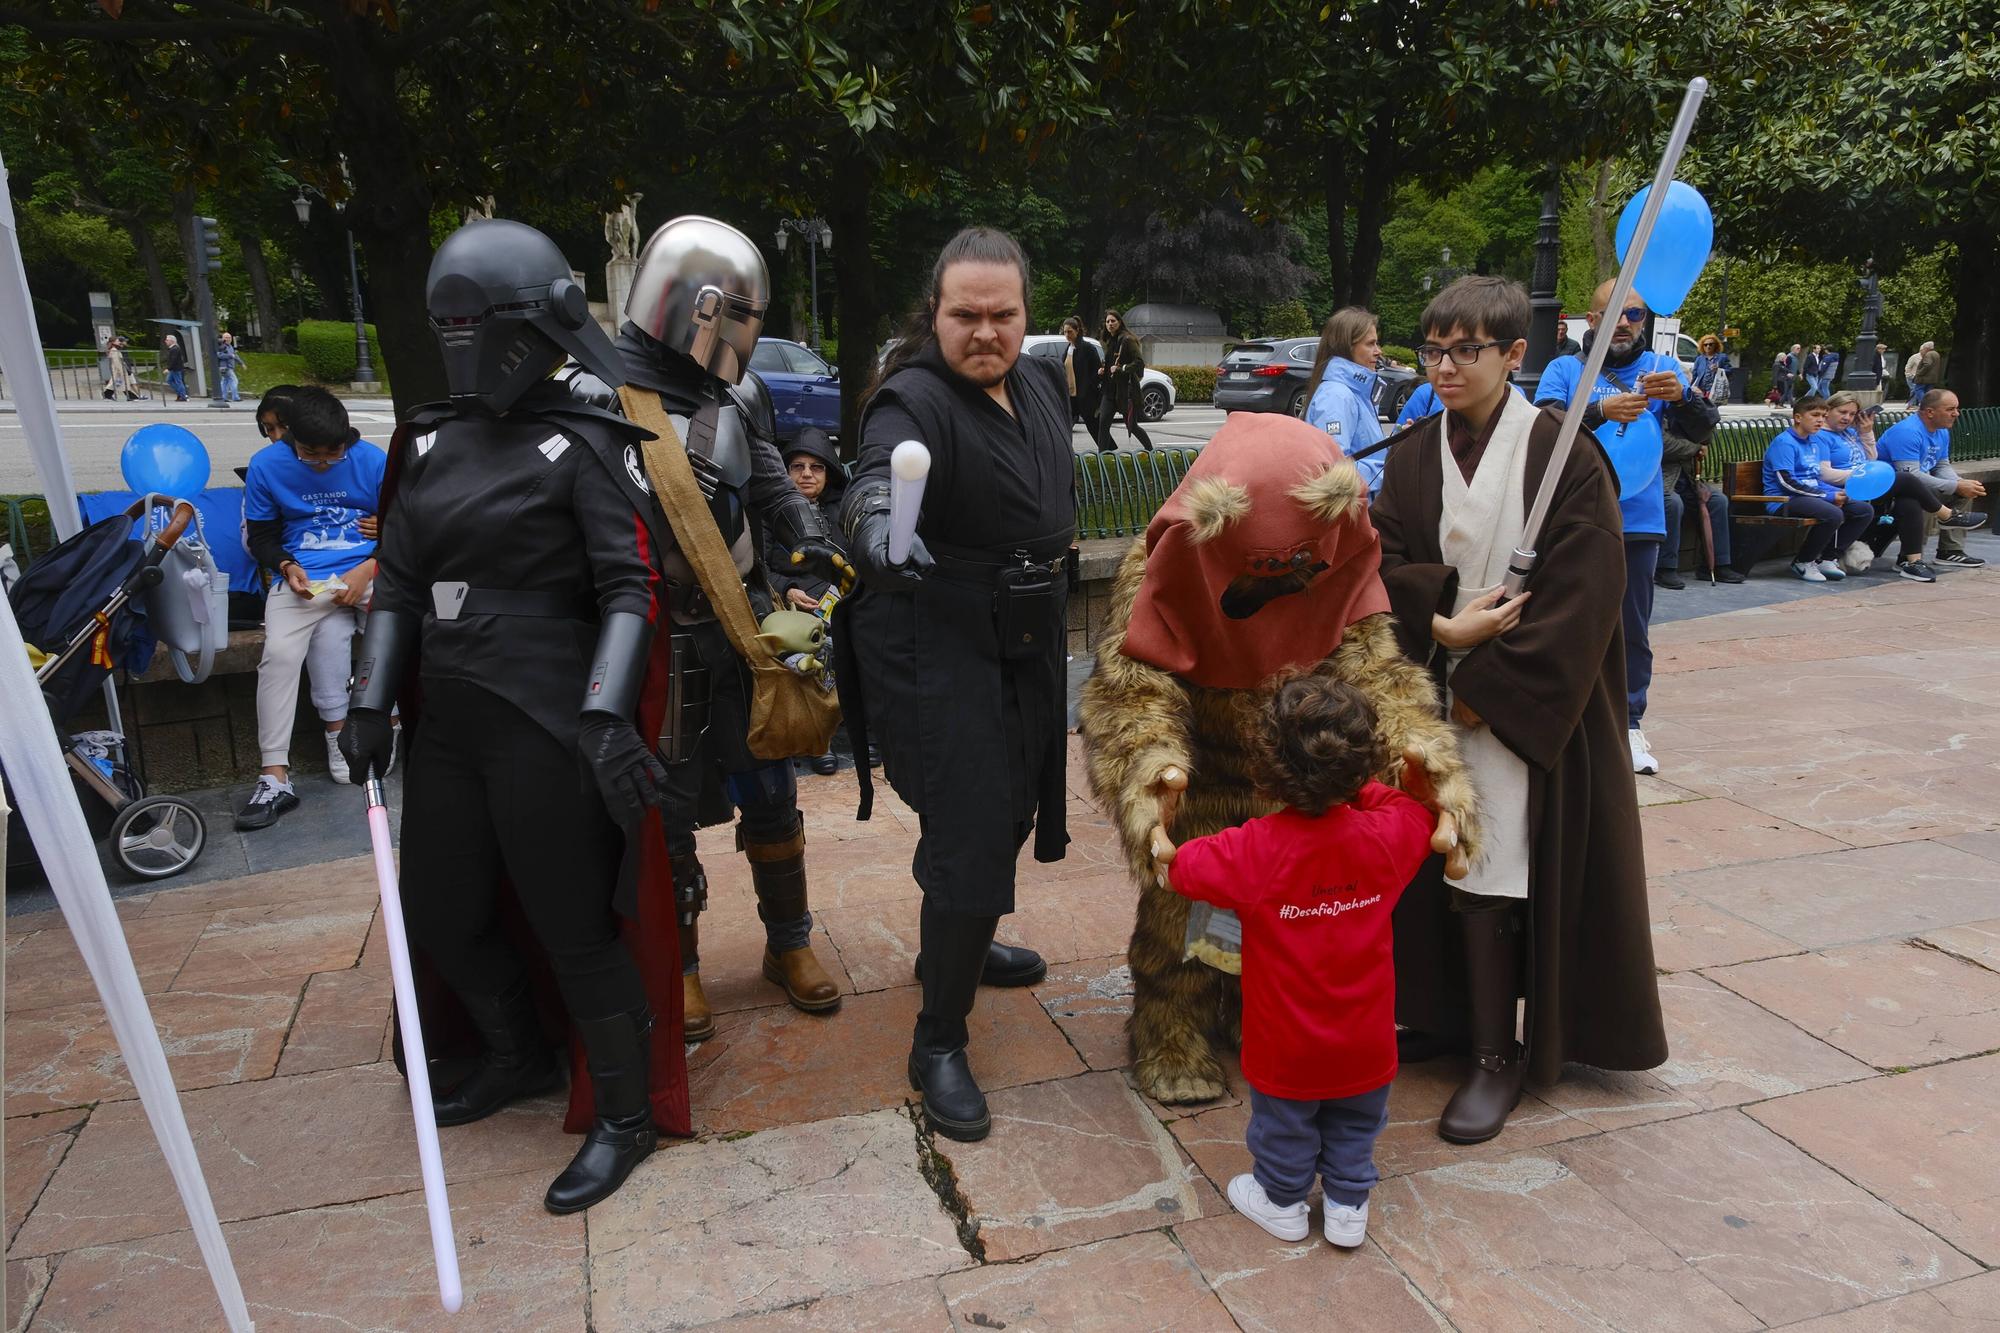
x=1747, y=503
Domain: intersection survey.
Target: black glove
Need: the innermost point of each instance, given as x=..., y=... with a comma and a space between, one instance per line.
x=867, y=516
x=627, y=773
x=367, y=741
x=825, y=562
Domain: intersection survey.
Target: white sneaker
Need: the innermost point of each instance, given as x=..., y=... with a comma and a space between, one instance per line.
x=1345, y=1226
x=1247, y=1197
x=1642, y=753
x=336, y=762
x=1810, y=573
x=1832, y=570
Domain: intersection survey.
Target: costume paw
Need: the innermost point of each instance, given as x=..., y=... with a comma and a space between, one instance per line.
x=1178, y=1084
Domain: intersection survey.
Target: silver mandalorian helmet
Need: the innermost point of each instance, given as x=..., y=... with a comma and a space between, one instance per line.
x=507, y=312
x=701, y=288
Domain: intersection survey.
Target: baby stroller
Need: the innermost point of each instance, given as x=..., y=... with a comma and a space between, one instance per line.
x=74, y=605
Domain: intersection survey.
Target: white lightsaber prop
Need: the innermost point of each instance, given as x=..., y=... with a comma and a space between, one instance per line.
x=444, y=1250
x=1522, y=563
x=909, y=469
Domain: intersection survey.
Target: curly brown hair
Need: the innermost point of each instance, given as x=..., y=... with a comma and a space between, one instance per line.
x=1319, y=744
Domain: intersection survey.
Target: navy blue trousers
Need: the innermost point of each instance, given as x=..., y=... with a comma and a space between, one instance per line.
x=1291, y=1142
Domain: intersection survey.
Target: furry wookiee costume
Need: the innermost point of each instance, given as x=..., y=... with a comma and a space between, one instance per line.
x=1262, y=562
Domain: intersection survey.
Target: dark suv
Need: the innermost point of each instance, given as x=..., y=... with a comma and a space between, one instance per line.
x=1275, y=375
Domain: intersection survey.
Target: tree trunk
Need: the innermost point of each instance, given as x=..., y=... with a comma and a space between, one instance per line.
x=1333, y=191
x=390, y=213
x=1601, y=248
x=156, y=277
x=1378, y=186
x=856, y=300
x=261, y=293
x=1975, y=329
x=183, y=205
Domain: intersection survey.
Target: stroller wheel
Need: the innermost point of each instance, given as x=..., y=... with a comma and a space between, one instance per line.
x=158, y=836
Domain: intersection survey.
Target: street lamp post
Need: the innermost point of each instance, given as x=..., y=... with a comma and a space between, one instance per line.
x=1861, y=374
x=1542, y=299
x=364, y=369
x=818, y=236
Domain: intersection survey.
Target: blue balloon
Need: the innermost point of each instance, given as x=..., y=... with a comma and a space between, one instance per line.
x=1683, y=236
x=165, y=458
x=1870, y=481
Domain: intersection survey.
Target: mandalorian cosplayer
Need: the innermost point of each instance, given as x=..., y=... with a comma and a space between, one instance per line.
x=517, y=570
x=697, y=302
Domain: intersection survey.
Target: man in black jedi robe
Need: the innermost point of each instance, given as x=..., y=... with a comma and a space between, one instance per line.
x=960, y=649
x=1555, y=905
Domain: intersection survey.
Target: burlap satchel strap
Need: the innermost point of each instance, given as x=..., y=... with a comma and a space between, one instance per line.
x=694, y=527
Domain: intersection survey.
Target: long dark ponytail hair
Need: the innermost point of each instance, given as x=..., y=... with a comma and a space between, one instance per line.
x=974, y=245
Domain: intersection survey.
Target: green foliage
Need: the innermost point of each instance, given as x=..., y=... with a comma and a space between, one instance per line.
x=1488, y=223
x=1286, y=319
x=1403, y=355
x=1918, y=303
x=1775, y=303
x=1192, y=384
x=326, y=349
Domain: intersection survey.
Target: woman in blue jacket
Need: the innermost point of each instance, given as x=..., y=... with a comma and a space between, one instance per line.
x=1344, y=384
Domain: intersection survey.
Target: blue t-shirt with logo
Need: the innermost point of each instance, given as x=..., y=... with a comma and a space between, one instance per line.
x=1791, y=467
x=1909, y=442
x=1635, y=448
x=321, y=511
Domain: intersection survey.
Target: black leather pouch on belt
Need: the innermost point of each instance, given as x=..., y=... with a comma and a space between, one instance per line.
x=1024, y=610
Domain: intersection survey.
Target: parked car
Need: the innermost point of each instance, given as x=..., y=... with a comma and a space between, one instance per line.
x=1275, y=375
x=805, y=390
x=1156, y=389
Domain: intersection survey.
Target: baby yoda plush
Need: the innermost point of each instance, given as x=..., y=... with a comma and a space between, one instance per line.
x=798, y=639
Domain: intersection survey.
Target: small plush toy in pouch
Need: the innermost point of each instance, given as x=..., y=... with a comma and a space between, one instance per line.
x=1215, y=936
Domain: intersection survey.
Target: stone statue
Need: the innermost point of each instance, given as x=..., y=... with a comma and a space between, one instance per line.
x=621, y=229
x=481, y=209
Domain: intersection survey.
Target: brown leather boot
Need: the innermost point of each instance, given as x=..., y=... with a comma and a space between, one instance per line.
x=697, y=1021
x=1492, y=1087
x=778, y=873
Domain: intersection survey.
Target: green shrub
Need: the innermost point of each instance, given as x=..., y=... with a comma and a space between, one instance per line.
x=1287, y=319
x=328, y=349
x=1406, y=355
x=1192, y=384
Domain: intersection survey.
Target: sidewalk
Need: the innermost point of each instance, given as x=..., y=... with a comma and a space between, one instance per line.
x=1820, y=1150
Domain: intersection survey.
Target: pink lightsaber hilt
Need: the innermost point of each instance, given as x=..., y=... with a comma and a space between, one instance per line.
x=444, y=1249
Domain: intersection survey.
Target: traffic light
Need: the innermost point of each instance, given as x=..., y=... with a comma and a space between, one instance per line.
x=208, y=244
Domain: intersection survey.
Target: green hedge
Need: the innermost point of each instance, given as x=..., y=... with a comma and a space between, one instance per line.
x=1192, y=384
x=328, y=349
x=1406, y=355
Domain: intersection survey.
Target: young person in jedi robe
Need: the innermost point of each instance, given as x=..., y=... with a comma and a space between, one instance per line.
x=1554, y=904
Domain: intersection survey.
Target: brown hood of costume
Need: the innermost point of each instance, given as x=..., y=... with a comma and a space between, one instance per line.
x=1259, y=560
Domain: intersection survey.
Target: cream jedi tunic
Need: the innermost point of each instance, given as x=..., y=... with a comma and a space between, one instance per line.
x=1480, y=524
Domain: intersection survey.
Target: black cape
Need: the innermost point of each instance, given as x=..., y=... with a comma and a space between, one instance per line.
x=973, y=743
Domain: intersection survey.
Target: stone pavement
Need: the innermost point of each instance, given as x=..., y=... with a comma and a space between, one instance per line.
x=1820, y=1150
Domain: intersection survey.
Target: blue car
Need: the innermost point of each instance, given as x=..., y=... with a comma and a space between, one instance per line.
x=805, y=391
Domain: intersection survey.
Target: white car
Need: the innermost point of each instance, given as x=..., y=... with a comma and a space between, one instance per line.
x=1156, y=390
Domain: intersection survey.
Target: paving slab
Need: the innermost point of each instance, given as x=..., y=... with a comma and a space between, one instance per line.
x=1695, y=835
x=36, y=1145
x=1270, y=1286
x=1689, y=932
x=1921, y=1141
x=1523, y=1243
x=1970, y=1306
x=777, y=1066
x=279, y=1145
x=1978, y=942
x=44, y=969
x=276, y=942
x=67, y=1056
x=1894, y=1006
x=1114, y=1286
x=1782, y=1234
x=1853, y=897
x=362, y=1267
x=27, y=1282
x=343, y=1020
x=1071, y=1161
x=900, y=1307
x=1091, y=1001
x=716, y=1230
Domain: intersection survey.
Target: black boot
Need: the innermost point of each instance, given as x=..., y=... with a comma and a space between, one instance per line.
x=622, y=1134
x=1006, y=965
x=518, y=1062
x=1492, y=1087
x=957, y=945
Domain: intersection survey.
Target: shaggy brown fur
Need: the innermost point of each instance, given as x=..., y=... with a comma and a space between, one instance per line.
x=1138, y=721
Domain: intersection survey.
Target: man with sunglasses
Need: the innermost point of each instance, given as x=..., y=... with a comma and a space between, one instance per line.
x=309, y=501
x=1627, y=412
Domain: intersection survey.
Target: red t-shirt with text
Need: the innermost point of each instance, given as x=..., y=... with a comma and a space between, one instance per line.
x=1319, y=975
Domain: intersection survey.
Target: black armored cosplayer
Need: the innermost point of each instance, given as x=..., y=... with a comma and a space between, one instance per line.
x=518, y=564
x=697, y=304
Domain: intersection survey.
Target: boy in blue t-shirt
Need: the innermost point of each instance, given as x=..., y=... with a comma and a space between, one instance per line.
x=1792, y=469
x=304, y=501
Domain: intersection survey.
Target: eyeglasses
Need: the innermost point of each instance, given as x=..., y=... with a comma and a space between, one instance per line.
x=1635, y=314
x=311, y=454
x=1463, y=354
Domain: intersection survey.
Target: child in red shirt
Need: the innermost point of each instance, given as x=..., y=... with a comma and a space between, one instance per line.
x=1314, y=886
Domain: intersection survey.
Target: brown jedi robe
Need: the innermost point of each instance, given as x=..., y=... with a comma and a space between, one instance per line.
x=1553, y=690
